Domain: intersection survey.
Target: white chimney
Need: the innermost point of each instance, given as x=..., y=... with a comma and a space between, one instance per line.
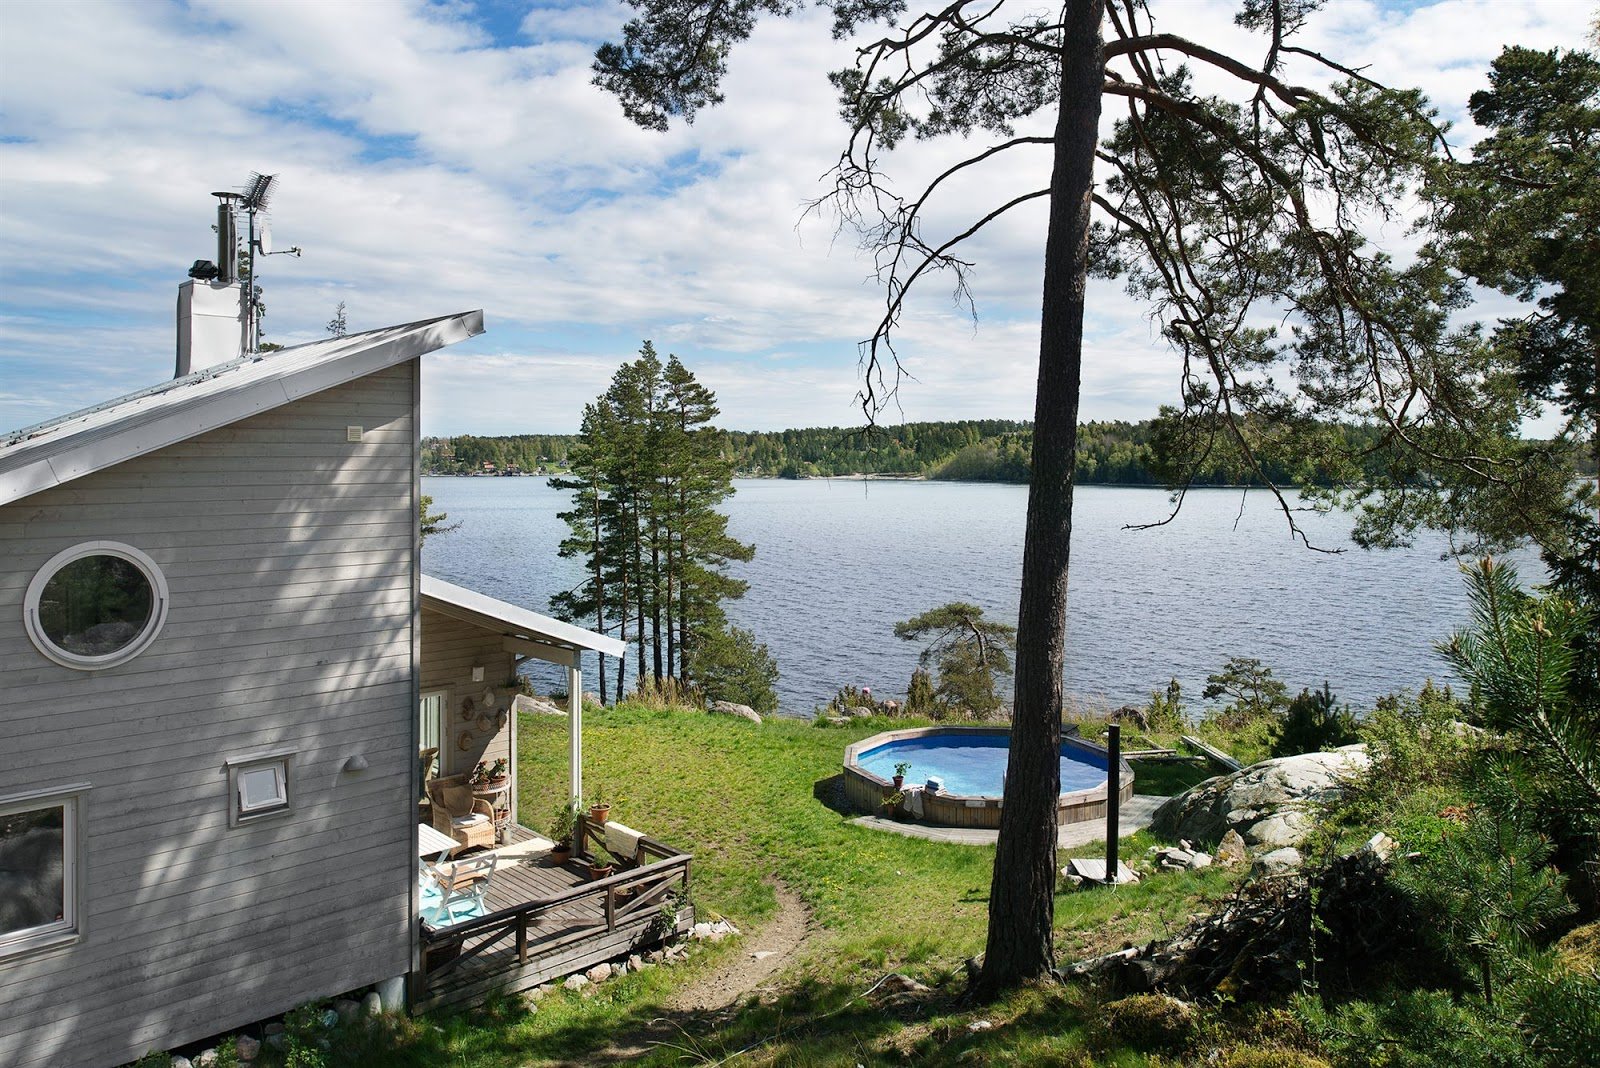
x=210, y=324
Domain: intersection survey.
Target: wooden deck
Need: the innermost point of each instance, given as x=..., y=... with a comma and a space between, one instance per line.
x=545, y=921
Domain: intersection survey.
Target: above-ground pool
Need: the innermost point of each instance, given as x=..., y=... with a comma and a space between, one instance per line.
x=971, y=763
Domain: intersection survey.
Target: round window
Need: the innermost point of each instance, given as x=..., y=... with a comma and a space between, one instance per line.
x=95, y=605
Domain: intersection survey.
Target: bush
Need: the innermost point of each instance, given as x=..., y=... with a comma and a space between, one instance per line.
x=1313, y=724
x=1165, y=710
x=1416, y=1029
x=730, y=665
x=665, y=693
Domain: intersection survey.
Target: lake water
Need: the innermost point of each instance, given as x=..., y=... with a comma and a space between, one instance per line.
x=839, y=562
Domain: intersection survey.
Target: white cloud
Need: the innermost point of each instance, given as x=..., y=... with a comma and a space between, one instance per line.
x=426, y=169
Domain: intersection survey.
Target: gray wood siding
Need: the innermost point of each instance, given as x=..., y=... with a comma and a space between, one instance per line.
x=288, y=554
x=450, y=649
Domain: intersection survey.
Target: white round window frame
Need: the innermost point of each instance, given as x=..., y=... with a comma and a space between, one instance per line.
x=76, y=661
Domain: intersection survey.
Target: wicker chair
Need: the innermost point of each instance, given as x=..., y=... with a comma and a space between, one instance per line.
x=452, y=799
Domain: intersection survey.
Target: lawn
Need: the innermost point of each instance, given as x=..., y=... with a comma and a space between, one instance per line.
x=754, y=804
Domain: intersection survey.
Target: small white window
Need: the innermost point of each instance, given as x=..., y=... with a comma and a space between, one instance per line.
x=95, y=605
x=263, y=789
x=258, y=786
x=39, y=867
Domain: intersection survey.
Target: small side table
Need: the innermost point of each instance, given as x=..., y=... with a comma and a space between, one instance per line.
x=498, y=797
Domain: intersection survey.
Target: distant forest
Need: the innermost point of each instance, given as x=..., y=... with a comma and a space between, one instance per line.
x=976, y=450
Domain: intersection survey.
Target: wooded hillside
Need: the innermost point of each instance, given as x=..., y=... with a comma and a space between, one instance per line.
x=976, y=450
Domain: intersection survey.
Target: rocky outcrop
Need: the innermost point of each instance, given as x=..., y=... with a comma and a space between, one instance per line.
x=535, y=705
x=728, y=708
x=1268, y=804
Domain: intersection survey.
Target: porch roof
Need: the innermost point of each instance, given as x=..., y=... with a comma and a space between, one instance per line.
x=527, y=633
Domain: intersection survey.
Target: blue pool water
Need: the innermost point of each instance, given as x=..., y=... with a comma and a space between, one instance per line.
x=974, y=764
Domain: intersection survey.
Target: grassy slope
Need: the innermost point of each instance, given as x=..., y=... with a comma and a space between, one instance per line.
x=744, y=799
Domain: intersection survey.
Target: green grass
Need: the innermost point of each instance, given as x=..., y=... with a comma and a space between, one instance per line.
x=749, y=802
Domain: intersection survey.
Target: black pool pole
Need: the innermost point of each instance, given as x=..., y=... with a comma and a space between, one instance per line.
x=1113, y=797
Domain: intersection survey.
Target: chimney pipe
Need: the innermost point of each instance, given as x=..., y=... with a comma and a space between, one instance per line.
x=227, y=239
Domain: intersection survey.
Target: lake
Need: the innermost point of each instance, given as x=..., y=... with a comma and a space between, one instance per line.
x=839, y=562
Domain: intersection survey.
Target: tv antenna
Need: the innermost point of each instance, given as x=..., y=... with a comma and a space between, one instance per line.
x=253, y=201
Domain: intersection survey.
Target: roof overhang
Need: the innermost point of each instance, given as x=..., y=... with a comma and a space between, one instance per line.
x=526, y=633
x=56, y=452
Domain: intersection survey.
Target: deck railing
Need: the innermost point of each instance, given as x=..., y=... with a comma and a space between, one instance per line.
x=613, y=901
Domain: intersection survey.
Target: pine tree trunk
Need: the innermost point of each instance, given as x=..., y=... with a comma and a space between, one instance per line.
x=655, y=596
x=599, y=597
x=638, y=599
x=673, y=667
x=1022, y=892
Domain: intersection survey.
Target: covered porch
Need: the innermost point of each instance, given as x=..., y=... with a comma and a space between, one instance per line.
x=528, y=919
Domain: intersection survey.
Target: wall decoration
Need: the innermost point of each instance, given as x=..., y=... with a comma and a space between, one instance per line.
x=464, y=742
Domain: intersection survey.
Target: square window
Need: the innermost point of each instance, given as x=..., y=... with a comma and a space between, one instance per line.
x=38, y=870
x=263, y=788
x=258, y=786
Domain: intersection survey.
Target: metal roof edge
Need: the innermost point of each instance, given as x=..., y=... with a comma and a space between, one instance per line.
x=448, y=593
x=57, y=463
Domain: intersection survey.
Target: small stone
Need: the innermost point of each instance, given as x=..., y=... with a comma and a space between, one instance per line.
x=635, y=962
x=275, y=1041
x=1278, y=862
x=1381, y=846
x=206, y=1058
x=763, y=954
x=1231, y=851
x=329, y=1018
x=898, y=983
x=538, y=993
x=273, y=1028
x=979, y=1025
x=701, y=931
x=1200, y=860
x=619, y=969
x=729, y=708
x=347, y=1009
x=249, y=1049
x=392, y=993
x=372, y=1004
x=655, y=956
x=575, y=982
x=180, y=1061
x=599, y=973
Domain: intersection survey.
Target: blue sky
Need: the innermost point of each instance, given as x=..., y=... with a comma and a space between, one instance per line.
x=435, y=157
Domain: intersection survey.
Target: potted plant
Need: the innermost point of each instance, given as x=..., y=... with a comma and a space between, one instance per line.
x=599, y=810
x=900, y=770
x=891, y=803
x=479, y=776
x=499, y=772
x=599, y=869
x=562, y=826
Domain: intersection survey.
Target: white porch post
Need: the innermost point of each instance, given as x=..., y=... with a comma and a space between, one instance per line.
x=575, y=727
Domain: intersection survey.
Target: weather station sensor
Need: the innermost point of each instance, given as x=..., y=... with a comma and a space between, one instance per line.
x=219, y=308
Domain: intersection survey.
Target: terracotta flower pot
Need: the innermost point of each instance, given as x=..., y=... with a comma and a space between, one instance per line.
x=599, y=813
x=600, y=871
x=561, y=852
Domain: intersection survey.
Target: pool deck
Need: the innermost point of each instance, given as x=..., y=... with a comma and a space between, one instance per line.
x=1135, y=815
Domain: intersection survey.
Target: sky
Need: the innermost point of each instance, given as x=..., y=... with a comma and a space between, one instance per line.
x=440, y=157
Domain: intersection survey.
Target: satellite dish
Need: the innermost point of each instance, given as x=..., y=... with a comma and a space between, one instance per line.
x=264, y=242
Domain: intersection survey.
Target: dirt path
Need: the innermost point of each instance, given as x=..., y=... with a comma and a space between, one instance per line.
x=761, y=957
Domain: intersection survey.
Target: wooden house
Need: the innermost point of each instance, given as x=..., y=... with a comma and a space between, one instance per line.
x=218, y=663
